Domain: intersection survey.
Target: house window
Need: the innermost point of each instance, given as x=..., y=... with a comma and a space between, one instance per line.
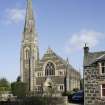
x=61, y=87
x=49, y=69
x=103, y=67
x=103, y=90
x=39, y=74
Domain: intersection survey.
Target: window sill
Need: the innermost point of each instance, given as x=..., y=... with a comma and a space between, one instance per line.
x=102, y=73
x=102, y=98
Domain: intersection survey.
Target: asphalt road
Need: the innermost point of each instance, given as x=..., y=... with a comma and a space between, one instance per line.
x=74, y=104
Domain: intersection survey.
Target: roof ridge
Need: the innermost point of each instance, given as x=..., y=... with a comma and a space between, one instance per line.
x=101, y=56
x=97, y=52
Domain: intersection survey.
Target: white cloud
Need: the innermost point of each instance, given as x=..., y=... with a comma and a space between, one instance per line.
x=14, y=15
x=77, y=40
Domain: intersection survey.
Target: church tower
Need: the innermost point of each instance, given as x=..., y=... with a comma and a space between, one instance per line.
x=29, y=49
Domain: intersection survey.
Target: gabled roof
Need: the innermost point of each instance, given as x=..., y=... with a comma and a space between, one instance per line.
x=92, y=57
x=51, y=52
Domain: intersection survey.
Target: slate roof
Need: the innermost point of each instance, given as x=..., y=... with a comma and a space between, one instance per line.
x=101, y=58
x=93, y=57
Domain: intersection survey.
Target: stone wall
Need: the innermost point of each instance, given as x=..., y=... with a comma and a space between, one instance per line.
x=38, y=101
x=92, y=81
x=90, y=85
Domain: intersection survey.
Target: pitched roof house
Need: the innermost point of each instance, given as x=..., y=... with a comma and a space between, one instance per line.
x=94, y=77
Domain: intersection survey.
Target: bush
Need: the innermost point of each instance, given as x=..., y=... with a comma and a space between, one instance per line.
x=66, y=93
x=4, y=85
x=19, y=89
x=34, y=101
x=71, y=92
x=75, y=89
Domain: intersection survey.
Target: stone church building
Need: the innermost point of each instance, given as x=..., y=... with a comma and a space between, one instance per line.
x=94, y=77
x=51, y=71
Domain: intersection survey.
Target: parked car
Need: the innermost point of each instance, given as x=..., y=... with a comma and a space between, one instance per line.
x=70, y=97
x=78, y=97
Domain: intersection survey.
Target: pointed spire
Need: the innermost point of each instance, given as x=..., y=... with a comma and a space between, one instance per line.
x=29, y=28
x=30, y=34
x=67, y=61
x=29, y=11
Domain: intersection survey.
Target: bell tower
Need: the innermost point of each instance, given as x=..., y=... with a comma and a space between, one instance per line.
x=29, y=54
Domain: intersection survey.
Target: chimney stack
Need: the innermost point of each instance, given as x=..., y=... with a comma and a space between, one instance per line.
x=86, y=50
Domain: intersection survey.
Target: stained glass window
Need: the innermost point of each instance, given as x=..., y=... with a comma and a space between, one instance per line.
x=50, y=69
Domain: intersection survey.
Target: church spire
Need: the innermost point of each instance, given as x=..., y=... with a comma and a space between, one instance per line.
x=29, y=28
x=29, y=9
x=29, y=49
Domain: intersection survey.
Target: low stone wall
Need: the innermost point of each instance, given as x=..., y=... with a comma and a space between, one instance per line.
x=38, y=101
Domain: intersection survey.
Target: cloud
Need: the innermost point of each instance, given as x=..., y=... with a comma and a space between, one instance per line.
x=14, y=15
x=77, y=40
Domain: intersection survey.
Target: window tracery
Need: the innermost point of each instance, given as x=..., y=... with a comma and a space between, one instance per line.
x=50, y=69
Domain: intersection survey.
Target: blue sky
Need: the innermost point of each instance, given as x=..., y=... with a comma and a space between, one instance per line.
x=64, y=25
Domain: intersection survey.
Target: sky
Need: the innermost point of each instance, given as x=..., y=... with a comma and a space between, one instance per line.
x=63, y=25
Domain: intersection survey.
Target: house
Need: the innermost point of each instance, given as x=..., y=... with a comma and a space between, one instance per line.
x=94, y=77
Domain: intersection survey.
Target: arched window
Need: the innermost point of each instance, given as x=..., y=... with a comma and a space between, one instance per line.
x=49, y=69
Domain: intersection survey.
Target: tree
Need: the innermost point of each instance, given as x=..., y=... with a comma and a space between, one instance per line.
x=4, y=84
x=19, y=88
x=18, y=79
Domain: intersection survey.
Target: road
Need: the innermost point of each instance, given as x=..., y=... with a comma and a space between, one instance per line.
x=74, y=104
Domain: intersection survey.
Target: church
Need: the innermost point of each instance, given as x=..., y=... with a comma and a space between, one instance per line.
x=49, y=72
